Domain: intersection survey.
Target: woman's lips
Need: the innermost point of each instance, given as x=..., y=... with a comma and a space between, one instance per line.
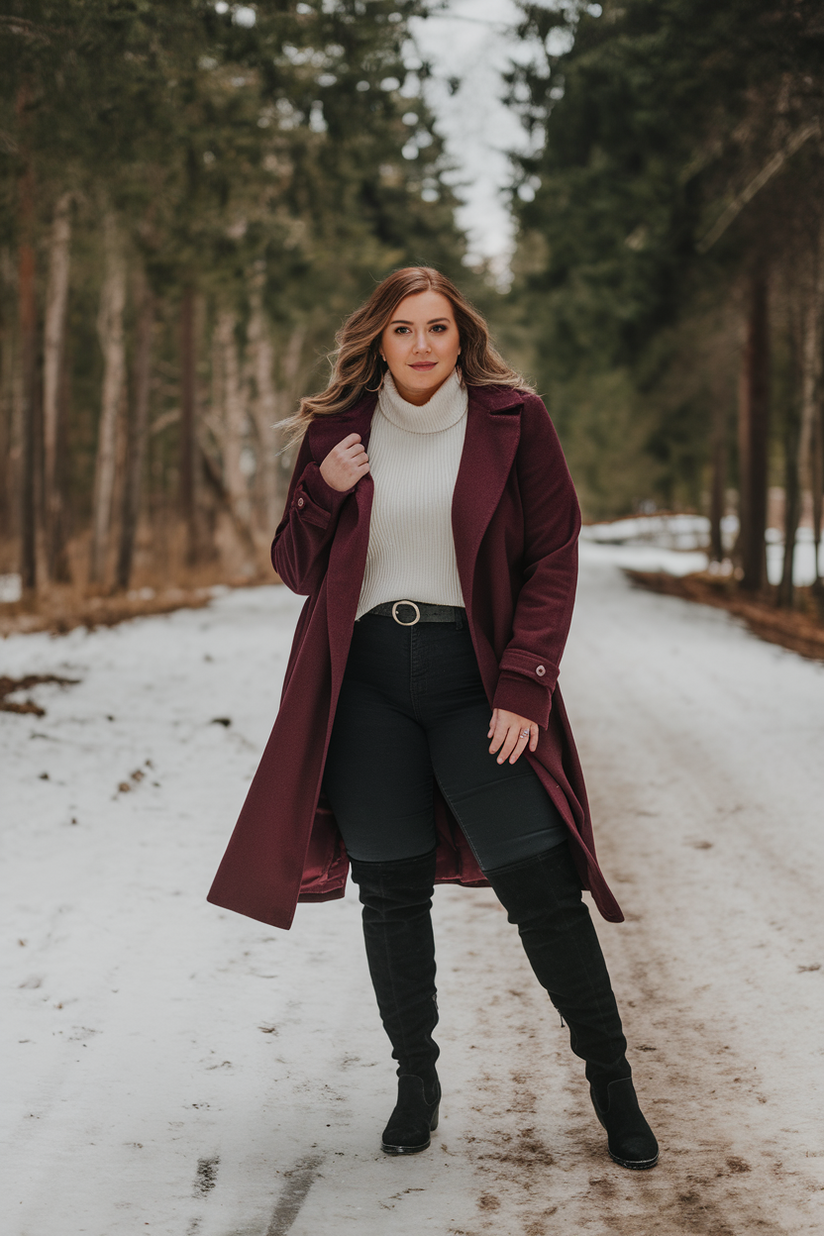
x=424, y=365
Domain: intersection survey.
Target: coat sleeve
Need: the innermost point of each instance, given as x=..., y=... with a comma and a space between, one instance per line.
x=531, y=661
x=300, y=550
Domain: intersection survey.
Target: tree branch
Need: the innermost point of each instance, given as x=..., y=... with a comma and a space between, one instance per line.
x=764, y=176
x=24, y=28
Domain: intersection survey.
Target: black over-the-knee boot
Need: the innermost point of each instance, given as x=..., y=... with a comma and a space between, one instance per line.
x=400, y=949
x=542, y=895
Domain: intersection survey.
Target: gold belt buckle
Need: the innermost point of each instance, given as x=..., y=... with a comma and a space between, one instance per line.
x=415, y=620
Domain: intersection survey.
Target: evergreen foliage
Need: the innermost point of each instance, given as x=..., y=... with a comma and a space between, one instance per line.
x=652, y=121
x=274, y=158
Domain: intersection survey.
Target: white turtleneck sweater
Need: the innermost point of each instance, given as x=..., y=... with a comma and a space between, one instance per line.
x=414, y=454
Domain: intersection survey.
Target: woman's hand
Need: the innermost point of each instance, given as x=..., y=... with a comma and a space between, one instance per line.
x=513, y=732
x=345, y=464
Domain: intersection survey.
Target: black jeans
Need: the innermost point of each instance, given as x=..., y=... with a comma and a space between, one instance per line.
x=413, y=707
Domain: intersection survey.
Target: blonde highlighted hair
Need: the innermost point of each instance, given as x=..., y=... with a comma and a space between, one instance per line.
x=357, y=367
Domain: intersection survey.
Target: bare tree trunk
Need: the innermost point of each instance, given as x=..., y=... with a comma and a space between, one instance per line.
x=818, y=491
x=10, y=402
x=233, y=423
x=263, y=403
x=112, y=342
x=137, y=436
x=28, y=344
x=792, y=504
x=57, y=295
x=718, y=487
x=27, y=313
x=64, y=459
x=188, y=433
x=753, y=430
x=808, y=445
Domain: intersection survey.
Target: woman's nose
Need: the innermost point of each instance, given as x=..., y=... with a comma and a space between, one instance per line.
x=421, y=342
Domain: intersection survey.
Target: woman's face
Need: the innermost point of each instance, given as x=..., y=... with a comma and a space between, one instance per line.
x=421, y=345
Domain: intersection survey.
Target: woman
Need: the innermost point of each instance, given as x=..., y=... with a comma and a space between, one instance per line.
x=422, y=738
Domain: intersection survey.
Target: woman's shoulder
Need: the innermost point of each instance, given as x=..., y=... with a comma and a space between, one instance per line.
x=361, y=408
x=510, y=399
x=362, y=403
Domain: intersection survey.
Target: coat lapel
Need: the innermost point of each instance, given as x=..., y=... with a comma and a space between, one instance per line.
x=347, y=560
x=493, y=430
x=353, y=529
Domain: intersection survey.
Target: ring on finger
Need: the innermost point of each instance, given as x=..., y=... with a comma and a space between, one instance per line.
x=524, y=733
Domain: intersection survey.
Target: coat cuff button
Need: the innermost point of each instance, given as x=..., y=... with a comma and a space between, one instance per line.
x=540, y=670
x=301, y=502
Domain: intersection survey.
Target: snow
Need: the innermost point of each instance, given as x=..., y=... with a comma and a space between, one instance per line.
x=680, y=531
x=11, y=588
x=178, y=1069
x=677, y=544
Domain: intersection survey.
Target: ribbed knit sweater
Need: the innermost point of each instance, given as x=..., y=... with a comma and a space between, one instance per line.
x=414, y=454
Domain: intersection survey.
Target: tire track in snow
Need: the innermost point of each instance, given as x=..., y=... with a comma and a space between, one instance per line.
x=299, y=1181
x=691, y=807
x=721, y=920
x=206, y=1175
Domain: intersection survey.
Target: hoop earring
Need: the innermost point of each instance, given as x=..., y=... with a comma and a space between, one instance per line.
x=374, y=389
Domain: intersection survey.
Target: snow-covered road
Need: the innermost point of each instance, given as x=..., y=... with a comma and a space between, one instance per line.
x=173, y=1069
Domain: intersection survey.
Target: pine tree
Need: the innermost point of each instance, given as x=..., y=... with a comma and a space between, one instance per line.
x=677, y=160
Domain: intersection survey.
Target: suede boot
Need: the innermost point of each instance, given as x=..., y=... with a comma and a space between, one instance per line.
x=414, y=1118
x=542, y=895
x=400, y=950
x=630, y=1140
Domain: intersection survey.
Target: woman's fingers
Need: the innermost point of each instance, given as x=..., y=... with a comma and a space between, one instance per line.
x=506, y=749
x=346, y=463
x=497, y=731
x=504, y=735
x=513, y=745
x=510, y=735
x=518, y=738
x=351, y=449
x=527, y=737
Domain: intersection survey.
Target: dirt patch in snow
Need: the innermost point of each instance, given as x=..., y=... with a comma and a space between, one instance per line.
x=10, y=686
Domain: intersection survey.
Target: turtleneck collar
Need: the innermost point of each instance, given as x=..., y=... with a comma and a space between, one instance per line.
x=446, y=407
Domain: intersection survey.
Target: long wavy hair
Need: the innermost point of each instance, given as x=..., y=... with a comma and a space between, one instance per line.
x=357, y=367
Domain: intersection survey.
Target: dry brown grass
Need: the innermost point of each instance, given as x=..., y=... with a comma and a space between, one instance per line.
x=161, y=582
x=63, y=608
x=800, y=629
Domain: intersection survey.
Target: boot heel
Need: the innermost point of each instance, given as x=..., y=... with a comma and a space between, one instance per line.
x=630, y=1140
x=414, y=1118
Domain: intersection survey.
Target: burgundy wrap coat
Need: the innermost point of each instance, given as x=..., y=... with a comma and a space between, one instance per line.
x=515, y=521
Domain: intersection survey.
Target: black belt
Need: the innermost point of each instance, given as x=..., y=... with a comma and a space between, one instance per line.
x=410, y=613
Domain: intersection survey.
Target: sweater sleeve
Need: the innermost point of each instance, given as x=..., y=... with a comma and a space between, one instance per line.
x=300, y=550
x=530, y=663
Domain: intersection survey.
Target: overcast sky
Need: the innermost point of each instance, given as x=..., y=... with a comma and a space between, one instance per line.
x=472, y=41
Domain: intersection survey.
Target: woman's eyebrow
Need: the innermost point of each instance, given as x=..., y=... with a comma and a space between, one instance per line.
x=405, y=322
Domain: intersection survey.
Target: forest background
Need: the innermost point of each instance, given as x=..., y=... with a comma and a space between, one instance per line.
x=195, y=195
